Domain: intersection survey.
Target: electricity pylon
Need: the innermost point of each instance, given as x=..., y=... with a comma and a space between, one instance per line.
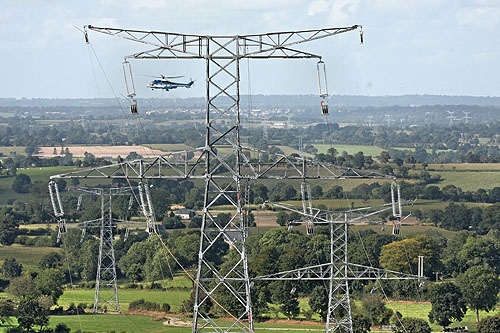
x=106, y=290
x=338, y=271
x=222, y=174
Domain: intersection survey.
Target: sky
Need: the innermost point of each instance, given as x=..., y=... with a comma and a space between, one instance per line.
x=448, y=47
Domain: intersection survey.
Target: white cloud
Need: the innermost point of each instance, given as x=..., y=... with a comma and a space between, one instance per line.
x=317, y=7
x=343, y=11
x=480, y=17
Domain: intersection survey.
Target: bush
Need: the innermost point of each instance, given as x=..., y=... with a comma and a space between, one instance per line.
x=414, y=325
x=141, y=304
x=129, y=285
x=165, y=307
x=489, y=325
x=156, y=286
x=61, y=328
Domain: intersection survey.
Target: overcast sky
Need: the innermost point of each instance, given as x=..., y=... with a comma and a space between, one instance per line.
x=411, y=46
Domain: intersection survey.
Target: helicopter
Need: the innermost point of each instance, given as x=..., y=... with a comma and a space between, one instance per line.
x=163, y=82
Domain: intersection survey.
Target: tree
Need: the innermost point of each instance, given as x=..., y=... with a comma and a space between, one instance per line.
x=173, y=223
x=6, y=310
x=33, y=311
x=375, y=309
x=261, y=191
x=360, y=323
x=335, y=192
x=11, y=268
x=384, y=157
x=318, y=301
x=22, y=183
x=161, y=201
x=193, y=198
x=282, y=219
x=403, y=255
x=282, y=292
x=31, y=150
x=480, y=286
x=50, y=283
x=447, y=304
x=413, y=325
x=187, y=248
x=317, y=192
x=8, y=228
x=195, y=222
x=51, y=260
x=22, y=286
x=489, y=325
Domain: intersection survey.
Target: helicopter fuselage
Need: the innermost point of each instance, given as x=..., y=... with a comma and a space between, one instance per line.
x=167, y=85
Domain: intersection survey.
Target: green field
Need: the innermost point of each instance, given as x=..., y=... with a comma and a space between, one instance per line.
x=350, y=149
x=142, y=323
x=172, y=296
x=464, y=167
x=469, y=181
x=289, y=150
x=36, y=174
x=28, y=256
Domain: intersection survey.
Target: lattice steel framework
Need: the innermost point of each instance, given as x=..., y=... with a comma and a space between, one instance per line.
x=106, y=291
x=338, y=272
x=223, y=173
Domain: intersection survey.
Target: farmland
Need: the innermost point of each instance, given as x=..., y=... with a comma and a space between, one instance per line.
x=350, y=149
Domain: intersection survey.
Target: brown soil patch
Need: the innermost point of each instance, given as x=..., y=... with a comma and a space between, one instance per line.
x=265, y=218
x=101, y=151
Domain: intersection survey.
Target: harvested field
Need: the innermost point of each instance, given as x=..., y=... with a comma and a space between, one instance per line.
x=101, y=151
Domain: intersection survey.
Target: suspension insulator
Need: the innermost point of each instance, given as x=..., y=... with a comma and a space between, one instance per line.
x=323, y=86
x=361, y=36
x=133, y=107
x=324, y=107
x=129, y=79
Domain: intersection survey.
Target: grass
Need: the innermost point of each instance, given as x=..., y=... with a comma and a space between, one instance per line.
x=36, y=174
x=289, y=150
x=464, y=167
x=350, y=149
x=171, y=296
x=469, y=181
x=141, y=323
x=28, y=256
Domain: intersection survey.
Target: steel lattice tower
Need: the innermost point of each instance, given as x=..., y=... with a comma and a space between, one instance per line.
x=106, y=265
x=106, y=290
x=229, y=287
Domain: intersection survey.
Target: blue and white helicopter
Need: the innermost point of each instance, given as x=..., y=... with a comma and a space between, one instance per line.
x=163, y=82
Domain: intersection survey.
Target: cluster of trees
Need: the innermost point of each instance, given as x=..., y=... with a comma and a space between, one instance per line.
x=34, y=294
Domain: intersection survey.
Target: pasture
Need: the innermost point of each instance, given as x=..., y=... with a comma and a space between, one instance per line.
x=350, y=149
x=28, y=256
x=156, y=322
x=470, y=180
